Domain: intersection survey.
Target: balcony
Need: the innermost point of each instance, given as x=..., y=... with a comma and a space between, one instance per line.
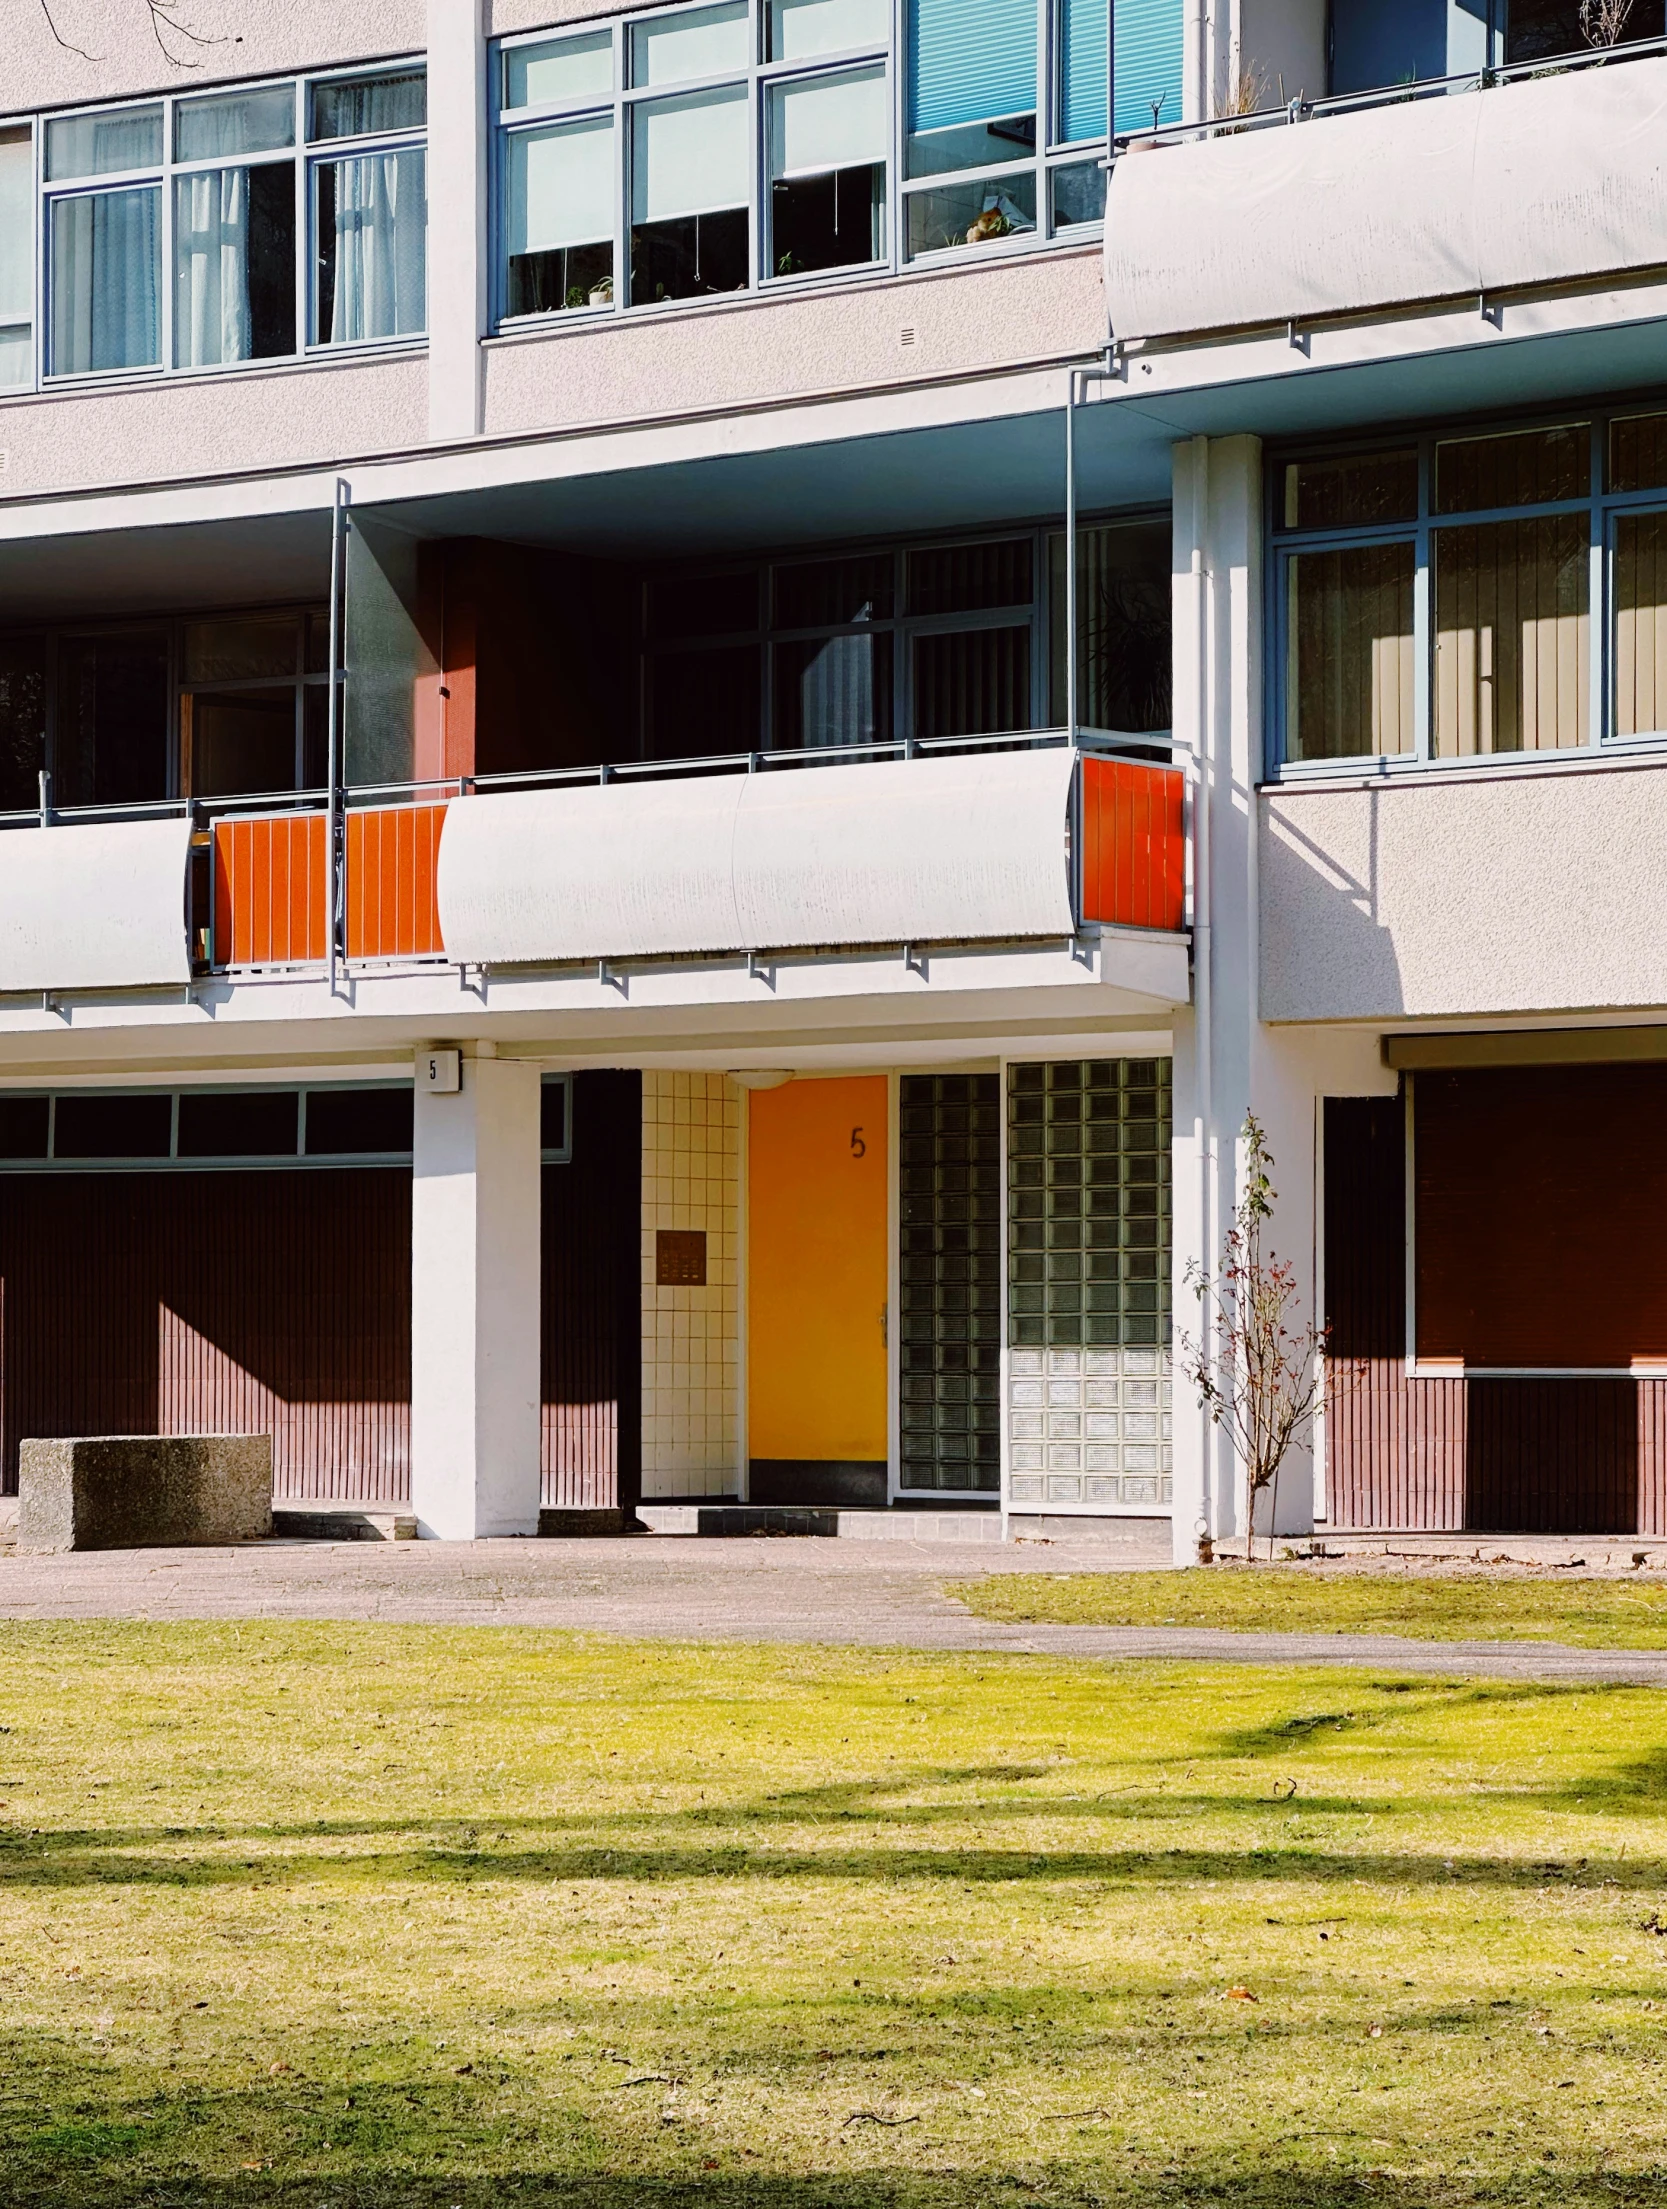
x=1005, y=841
x=1459, y=190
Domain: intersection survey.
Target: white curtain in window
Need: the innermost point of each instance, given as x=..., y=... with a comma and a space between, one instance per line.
x=211, y=268
x=827, y=123
x=690, y=157
x=561, y=187
x=106, y=281
x=379, y=257
x=17, y=180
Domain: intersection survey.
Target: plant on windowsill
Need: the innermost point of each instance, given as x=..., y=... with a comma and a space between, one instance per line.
x=1257, y=1373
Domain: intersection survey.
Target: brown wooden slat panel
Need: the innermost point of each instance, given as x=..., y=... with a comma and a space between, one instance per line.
x=1652, y=1457
x=1553, y=1457
x=1542, y=1211
x=1395, y=1447
x=178, y=1303
x=592, y=1301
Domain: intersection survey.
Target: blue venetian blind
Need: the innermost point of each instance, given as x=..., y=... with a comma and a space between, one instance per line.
x=1147, y=63
x=1082, y=89
x=970, y=60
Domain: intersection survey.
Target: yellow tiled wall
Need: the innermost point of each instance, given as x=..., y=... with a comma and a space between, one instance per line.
x=691, y=1178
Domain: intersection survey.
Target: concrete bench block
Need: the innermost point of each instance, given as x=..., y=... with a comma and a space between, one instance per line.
x=144, y=1491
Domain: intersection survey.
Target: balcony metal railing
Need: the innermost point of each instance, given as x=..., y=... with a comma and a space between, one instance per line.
x=1388, y=95
x=266, y=894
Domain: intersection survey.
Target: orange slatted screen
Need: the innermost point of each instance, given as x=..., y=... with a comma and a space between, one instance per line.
x=392, y=855
x=1133, y=845
x=270, y=902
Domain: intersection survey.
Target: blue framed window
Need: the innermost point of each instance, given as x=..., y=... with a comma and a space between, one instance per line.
x=212, y=230
x=715, y=149
x=1469, y=596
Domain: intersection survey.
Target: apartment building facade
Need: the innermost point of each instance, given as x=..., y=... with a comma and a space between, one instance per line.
x=692, y=698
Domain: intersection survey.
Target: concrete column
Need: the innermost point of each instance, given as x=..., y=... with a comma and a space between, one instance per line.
x=475, y=1305
x=457, y=226
x=1217, y=575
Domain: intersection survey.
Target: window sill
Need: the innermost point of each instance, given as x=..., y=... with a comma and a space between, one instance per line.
x=1383, y=774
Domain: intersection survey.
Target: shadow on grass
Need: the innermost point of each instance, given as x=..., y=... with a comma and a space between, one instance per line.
x=1112, y=2177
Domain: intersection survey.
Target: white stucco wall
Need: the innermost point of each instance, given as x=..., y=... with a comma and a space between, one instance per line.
x=844, y=339
x=119, y=55
x=153, y=430
x=1460, y=895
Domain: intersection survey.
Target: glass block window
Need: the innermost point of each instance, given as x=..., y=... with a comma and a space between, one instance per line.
x=951, y=1282
x=1088, y=1197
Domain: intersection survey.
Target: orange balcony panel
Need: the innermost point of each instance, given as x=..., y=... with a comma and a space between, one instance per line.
x=271, y=905
x=392, y=854
x=1133, y=845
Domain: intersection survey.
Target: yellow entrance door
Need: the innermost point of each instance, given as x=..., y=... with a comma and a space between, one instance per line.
x=816, y=1298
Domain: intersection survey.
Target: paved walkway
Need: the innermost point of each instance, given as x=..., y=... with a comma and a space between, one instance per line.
x=851, y=1594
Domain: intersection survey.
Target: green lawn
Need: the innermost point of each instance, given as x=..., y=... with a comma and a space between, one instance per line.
x=1590, y=1614
x=414, y=1916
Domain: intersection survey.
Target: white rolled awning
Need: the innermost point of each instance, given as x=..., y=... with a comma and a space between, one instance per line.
x=926, y=850
x=1548, y=181
x=94, y=906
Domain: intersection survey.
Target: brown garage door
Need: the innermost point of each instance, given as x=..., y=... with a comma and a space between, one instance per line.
x=173, y=1303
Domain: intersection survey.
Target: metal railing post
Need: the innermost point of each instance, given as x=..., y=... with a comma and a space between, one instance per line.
x=335, y=887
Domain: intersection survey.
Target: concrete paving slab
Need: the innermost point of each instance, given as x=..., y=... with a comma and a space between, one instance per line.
x=838, y=1594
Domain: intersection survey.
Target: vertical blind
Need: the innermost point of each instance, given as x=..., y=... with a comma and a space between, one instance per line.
x=1512, y=636
x=970, y=61
x=1640, y=624
x=1147, y=63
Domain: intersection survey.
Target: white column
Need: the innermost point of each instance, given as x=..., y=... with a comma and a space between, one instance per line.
x=475, y=1305
x=1217, y=575
x=457, y=233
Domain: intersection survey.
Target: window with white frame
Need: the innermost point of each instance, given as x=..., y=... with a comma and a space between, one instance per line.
x=212, y=229
x=17, y=260
x=1459, y=597
x=705, y=150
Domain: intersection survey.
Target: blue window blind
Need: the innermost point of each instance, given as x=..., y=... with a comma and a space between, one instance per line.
x=1082, y=70
x=970, y=60
x=1147, y=63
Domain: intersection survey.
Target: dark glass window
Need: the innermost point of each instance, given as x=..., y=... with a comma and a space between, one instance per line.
x=22, y=722
x=1352, y=491
x=721, y=605
x=23, y=1126
x=704, y=704
x=950, y=1261
x=833, y=690
x=94, y=1126
x=972, y=682
x=1524, y=468
x=826, y=594
x=354, y=107
x=245, y=1124
x=349, y=1123
x=967, y=579
x=113, y=736
x=1540, y=30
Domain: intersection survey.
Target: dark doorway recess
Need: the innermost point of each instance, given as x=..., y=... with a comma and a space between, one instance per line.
x=592, y=1302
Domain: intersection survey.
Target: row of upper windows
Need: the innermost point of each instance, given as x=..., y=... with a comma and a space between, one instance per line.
x=1465, y=597
x=693, y=152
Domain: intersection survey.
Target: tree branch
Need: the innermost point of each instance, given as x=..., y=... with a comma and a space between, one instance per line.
x=163, y=18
